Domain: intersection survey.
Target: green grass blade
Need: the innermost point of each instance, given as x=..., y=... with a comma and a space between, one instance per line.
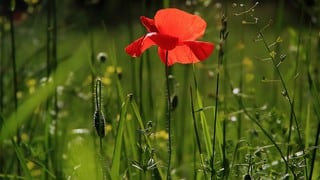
x=21, y=159
x=27, y=107
x=316, y=102
x=219, y=134
x=197, y=138
x=204, y=124
x=203, y=119
x=307, y=126
x=135, y=109
x=116, y=160
x=130, y=138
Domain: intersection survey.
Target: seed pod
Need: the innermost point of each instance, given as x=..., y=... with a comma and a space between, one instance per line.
x=247, y=177
x=174, y=102
x=99, y=123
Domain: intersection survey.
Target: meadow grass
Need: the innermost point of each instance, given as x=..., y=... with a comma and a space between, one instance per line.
x=84, y=109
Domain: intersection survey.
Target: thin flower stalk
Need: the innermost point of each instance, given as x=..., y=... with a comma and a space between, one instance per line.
x=286, y=94
x=168, y=118
x=265, y=132
x=14, y=74
x=223, y=38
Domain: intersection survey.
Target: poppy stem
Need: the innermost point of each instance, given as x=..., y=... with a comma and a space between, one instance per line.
x=168, y=116
x=14, y=76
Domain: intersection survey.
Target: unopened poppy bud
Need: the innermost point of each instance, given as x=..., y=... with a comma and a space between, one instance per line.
x=174, y=102
x=247, y=177
x=98, y=117
x=99, y=123
x=119, y=73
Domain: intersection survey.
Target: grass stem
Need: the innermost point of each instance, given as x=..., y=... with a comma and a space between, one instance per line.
x=1, y=88
x=14, y=75
x=215, y=120
x=265, y=132
x=47, y=135
x=314, y=152
x=1, y=65
x=197, y=137
x=287, y=95
x=223, y=38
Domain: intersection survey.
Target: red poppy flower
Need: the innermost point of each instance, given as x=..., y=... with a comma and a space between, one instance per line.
x=173, y=31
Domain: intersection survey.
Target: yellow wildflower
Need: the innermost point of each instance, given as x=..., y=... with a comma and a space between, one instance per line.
x=162, y=135
x=247, y=63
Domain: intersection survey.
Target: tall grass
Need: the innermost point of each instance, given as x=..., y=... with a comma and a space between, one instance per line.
x=314, y=92
x=15, y=81
x=220, y=124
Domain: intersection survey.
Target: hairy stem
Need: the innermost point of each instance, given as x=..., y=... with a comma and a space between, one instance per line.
x=168, y=116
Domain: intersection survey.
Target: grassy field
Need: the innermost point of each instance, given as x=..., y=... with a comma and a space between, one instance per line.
x=74, y=105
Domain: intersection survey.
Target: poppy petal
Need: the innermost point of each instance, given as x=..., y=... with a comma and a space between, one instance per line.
x=189, y=52
x=164, y=41
x=148, y=24
x=136, y=48
x=201, y=50
x=177, y=23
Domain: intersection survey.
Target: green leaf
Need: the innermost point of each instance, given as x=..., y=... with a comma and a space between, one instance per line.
x=22, y=161
x=116, y=160
x=27, y=107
